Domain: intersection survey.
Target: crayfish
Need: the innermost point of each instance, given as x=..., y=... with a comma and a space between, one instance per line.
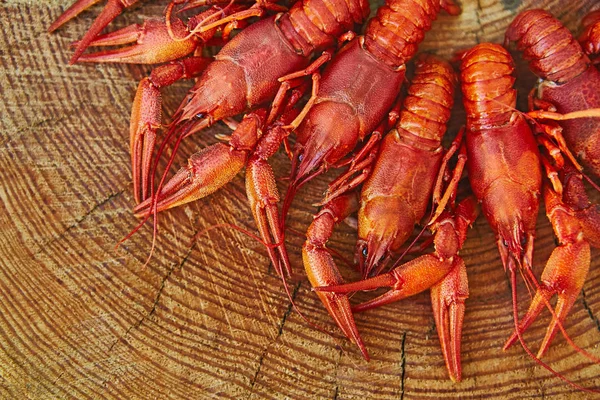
x=284, y=74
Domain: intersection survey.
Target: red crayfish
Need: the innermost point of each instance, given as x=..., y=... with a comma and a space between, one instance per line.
x=391, y=181
x=398, y=187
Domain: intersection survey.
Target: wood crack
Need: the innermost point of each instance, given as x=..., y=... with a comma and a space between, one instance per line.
x=20, y=131
x=478, y=16
x=280, y=331
x=402, y=365
x=156, y=300
x=336, y=369
x=589, y=310
x=78, y=221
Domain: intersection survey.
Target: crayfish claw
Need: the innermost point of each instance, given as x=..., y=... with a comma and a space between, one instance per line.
x=112, y=9
x=406, y=280
x=338, y=307
x=321, y=269
x=263, y=196
x=77, y=8
x=207, y=171
x=564, y=275
x=448, y=301
x=153, y=44
x=145, y=121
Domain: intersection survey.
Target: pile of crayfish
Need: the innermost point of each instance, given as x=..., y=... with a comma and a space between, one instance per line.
x=300, y=69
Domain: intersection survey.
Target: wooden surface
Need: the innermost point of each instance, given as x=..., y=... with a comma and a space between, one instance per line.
x=209, y=319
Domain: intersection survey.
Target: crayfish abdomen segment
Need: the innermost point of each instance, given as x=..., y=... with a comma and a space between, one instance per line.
x=552, y=51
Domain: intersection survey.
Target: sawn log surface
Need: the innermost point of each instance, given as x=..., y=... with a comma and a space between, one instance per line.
x=209, y=318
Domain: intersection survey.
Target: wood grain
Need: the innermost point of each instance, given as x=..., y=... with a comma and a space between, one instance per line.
x=209, y=319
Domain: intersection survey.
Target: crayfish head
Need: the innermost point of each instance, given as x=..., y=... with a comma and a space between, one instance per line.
x=328, y=133
x=214, y=95
x=511, y=209
x=515, y=246
x=382, y=228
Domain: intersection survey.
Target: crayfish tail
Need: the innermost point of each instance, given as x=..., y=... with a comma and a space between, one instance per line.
x=551, y=49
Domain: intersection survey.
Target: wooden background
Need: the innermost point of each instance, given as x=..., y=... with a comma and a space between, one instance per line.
x=79, y=319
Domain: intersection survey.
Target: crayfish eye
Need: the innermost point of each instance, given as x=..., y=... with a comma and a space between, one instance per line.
x=300, y=157
x=523, y=241
x=504, y=242
x=365, y=252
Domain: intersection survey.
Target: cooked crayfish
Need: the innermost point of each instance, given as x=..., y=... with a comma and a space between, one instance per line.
x=359, y=87
x=245, y=72
x=155, y=44
x=399, y=184
x=505, y=172
x=244, y=75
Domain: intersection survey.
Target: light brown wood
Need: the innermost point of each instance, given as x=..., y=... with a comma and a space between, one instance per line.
x=209, y=319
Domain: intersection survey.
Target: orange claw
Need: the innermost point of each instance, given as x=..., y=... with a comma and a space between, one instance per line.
x=153, y=44
x=146, y=117
x=209, y=169
x=576, y=227
x=321, y=269
x=213, y=167
x=448, y=301
x=443, y=272
x=264, y=197
x=112, y=9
